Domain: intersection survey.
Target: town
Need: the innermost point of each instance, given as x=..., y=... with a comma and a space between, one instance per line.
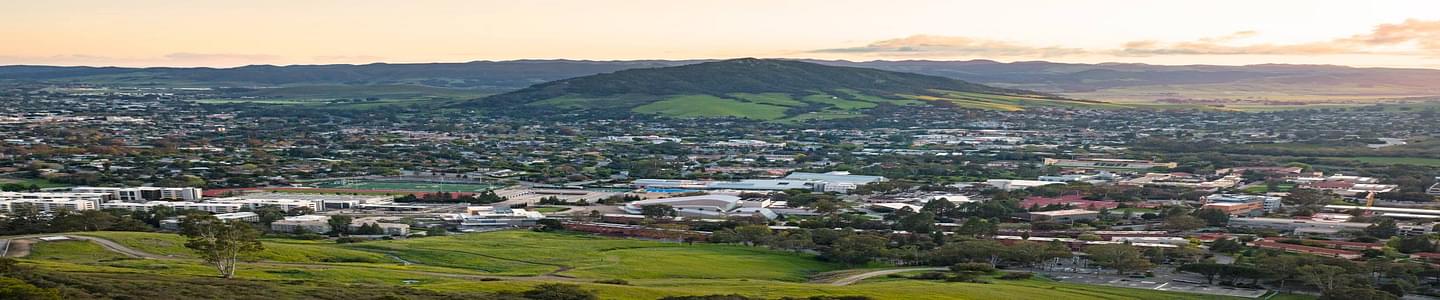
x=1180, y=201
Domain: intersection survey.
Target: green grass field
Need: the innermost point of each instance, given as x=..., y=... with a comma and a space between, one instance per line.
x=549, y=209
x=1261, y=188
x=653, y=269
x=348, y=97
x=702, y=106
x=278, y=250
x=1010, y=102
x=765, y=106
x=72, y=251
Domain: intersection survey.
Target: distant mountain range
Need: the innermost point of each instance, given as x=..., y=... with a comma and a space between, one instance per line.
x=1109, y=82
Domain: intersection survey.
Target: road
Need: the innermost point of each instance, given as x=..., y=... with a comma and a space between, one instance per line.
x=848, y=280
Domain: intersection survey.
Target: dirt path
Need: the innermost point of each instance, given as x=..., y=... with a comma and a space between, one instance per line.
x=17, y=248
x=117, y=247
x=851, y=279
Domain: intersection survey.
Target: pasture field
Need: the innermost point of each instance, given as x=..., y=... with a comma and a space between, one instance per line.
x=702, y=106
x=72, y=251
x=522, y=259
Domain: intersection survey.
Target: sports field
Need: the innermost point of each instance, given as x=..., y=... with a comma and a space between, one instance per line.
x=408, y=186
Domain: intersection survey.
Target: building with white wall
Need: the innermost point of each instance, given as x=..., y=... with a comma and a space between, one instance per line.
x=211, y=207
x=1269, y=203
x=48, y=201
x=307, y=223
x=144, y=194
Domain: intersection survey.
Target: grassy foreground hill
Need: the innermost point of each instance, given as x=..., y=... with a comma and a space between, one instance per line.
x=471, y=265
x=763, y=89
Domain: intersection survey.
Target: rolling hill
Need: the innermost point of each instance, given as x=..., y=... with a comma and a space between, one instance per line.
x=1111, y=82
x=763, y=89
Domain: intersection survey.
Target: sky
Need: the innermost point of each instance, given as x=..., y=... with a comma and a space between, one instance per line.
x=233, y=33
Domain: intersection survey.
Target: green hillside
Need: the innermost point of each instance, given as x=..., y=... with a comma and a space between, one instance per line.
x=764, y=89
x=474, y=266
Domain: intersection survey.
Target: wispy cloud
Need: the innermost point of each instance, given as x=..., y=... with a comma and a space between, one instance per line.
x=1411, y=37
x=191, y=57
x=936, y=45
x=184, y=59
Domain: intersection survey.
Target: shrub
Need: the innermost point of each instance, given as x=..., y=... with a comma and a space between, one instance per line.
x=966, y=277
x=929, y=276
x=1017, y=276
x=981, y=268
x=613, y=281
x=348, y=240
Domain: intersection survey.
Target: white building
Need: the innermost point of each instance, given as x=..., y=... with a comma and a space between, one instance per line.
x=703, y=206
x=143, y=194
x=1434, y=189
x=47, y=201
x=308, y=223
x=479, y=217
x=1017, y=184
x=284, y=204
x=48, y=205
x=211, y=207
x=1270, y=203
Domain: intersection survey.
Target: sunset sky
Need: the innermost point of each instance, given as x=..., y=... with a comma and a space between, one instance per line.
x=211, y=33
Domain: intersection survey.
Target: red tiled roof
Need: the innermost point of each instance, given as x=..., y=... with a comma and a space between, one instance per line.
x=1071, y=200
x=1303, y=248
